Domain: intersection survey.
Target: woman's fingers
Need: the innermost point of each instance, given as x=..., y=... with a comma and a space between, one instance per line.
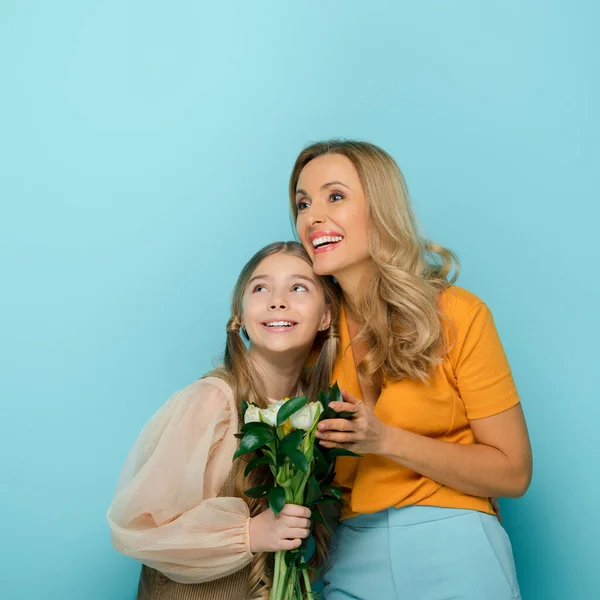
x=335, y=436
x=336, y=425
x=344, y=407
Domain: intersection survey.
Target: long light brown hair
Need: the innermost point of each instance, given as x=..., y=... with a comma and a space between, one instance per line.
x=400, y=324
x=237, y=370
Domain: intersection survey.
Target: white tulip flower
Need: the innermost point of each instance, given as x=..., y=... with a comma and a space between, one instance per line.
x=269, y=415
x=252, y=414
x=305, y=417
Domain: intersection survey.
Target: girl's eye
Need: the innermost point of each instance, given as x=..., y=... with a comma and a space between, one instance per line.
x=299, y=288
x=301, y=205
x=336, y=197
x=259, y=288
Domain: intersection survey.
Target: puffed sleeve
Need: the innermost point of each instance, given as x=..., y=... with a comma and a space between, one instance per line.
x=166, y=512
x=483, y=376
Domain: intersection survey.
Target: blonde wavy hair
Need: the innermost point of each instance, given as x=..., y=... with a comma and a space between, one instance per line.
x=237, y=370
x=400, y=324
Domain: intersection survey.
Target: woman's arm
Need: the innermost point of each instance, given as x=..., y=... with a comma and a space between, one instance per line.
x=498, y=464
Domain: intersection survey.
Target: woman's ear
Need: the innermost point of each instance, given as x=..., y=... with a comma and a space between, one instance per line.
x=326, y=320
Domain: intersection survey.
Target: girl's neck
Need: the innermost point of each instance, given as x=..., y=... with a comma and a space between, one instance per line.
x=280, y=372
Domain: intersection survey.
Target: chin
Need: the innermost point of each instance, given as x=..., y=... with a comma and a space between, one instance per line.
x=322, y=266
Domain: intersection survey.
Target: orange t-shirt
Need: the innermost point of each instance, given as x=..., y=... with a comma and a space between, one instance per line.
x=474, y=381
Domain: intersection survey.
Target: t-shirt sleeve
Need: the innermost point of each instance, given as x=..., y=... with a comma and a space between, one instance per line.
x=483, y=376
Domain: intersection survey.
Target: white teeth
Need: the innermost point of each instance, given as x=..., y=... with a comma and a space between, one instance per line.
x=327, y=239
x=279, y=324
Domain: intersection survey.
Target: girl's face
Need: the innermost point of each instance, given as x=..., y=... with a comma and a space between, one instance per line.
x=284, y=306
x=331, y=221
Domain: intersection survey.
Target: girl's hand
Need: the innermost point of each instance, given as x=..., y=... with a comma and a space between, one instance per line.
x=363, y=433
x=285, y=531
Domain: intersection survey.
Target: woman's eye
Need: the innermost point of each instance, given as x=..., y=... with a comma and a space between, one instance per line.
x=259, y=288
x=301, y=205
x=336, y=197
x=299, y=288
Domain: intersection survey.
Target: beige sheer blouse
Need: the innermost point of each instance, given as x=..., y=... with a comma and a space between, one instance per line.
x=167, y=512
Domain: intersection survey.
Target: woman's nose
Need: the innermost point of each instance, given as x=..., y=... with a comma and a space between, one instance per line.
x=316, y=217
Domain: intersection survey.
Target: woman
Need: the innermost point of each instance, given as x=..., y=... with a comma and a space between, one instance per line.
x=179, y=506
x=437, y=417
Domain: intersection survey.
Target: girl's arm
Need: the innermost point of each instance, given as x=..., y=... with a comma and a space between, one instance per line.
x=165, y=512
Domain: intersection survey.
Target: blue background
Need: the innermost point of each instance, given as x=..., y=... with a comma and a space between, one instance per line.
x=145, y=149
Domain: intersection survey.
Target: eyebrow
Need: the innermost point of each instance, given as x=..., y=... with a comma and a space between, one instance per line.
x=295, y=276
x=325, y=186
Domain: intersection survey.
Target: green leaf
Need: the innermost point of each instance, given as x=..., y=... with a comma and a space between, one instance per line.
x=257, y=492
x=295, y=484
x=334, y=490
x=318, y=517
x=261, y=460
x=313, y=491
x=276, y=499
x=291, y=557
x=329, y=477
x=281, y=480
x=292, y=440
x=321, y=464
x=253, y=440
x=324, y=398
x=249, y=426
x=335, y=452
x=289, y=408
x=345, y=414
x=328, y=500
x=328, y=413
x=298, y=458
x=244, y=408
x=336, y=395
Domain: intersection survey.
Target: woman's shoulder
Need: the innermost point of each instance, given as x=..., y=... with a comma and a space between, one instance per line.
x=456, y=303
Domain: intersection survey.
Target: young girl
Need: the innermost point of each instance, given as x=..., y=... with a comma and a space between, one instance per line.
x=437, y=417
x=179, y=507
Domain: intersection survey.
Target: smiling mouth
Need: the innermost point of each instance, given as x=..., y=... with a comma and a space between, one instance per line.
x=281, y=325
x=326, y=242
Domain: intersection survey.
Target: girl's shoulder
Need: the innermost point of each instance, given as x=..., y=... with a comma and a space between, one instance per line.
x=206, y=397
x=208, y=390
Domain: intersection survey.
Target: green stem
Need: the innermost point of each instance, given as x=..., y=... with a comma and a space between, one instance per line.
x=273, y=594
x=306, y=581
x=309, y=593
x=291, y=584
x=283, y=576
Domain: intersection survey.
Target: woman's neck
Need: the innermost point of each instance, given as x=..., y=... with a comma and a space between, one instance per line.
x=353, y=282
x=279, y=372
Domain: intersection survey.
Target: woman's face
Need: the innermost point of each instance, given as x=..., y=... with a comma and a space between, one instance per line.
x=331, y=220
x=284, y=306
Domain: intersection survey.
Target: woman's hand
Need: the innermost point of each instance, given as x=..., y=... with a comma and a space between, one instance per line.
x=363, y=433
x=285, y=531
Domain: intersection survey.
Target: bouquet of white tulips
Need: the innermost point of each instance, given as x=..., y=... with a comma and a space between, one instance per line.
x=283, y=437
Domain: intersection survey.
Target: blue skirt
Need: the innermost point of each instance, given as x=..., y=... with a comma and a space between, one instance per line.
x=421, y=553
